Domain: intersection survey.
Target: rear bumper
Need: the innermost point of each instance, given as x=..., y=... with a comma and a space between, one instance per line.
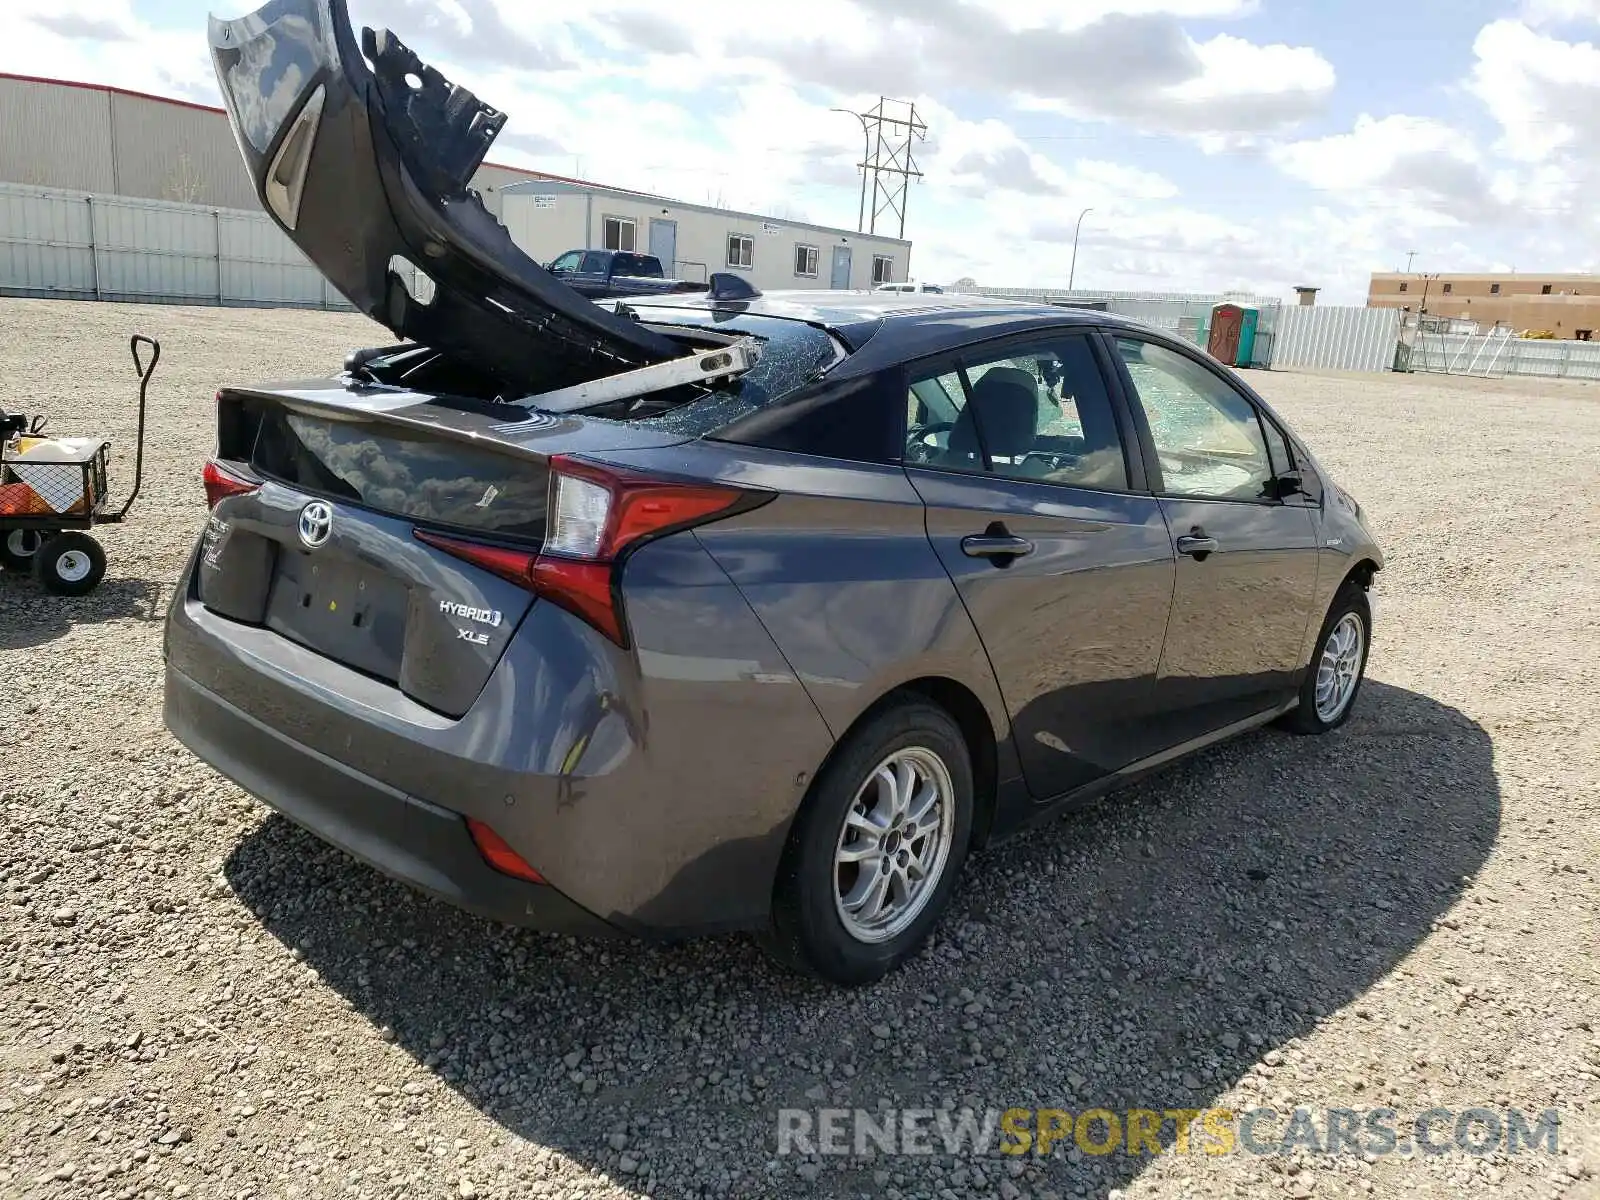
x=653, y=789
x=412, y=840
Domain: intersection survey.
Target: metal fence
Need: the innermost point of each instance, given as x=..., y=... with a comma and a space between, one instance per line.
x=85, y=246
x=1336, y=338
x=1496, y=355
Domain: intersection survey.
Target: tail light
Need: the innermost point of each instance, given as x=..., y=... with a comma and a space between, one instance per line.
x=221, y=483
x=597, y=514
x=499, y=855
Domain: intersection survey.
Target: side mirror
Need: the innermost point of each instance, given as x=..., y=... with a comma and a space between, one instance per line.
x=1290, y=483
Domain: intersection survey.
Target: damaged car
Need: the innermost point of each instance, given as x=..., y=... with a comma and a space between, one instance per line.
x=718, y=611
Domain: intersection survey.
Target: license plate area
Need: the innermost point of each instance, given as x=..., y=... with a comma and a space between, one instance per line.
x=347, y=610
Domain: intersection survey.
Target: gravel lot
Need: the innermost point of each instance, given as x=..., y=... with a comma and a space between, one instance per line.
x=198, y=999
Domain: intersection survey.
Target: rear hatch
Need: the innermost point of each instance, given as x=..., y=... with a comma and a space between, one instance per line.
x=336, y=501
x=362, y=154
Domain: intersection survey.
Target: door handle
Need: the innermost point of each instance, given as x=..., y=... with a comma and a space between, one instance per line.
x=1196, y=545
x=993, y=546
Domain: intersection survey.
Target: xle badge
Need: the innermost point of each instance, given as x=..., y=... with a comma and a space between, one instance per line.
x=473, y=636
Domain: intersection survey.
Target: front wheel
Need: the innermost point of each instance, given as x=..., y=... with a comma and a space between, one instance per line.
x=18, y=547
x=1338, y=665
x=876, y=851
x=70, y=564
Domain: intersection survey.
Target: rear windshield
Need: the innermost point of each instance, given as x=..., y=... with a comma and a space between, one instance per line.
x=402, y=473
x=793, y=354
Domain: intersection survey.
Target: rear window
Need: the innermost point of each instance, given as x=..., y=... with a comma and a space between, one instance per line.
x=793, y=354
x=404, y=474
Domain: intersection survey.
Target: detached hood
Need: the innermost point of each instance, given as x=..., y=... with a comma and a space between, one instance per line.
x=362, y=154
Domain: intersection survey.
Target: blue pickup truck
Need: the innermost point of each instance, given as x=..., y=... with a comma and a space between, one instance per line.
x=598, y=273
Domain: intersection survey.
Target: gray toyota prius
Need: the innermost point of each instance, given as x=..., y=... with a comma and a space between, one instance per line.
x=718, y=611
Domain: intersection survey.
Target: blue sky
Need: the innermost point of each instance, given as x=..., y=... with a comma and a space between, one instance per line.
x=1222, y=144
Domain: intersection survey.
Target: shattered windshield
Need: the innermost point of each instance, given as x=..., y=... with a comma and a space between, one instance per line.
x=793, y=354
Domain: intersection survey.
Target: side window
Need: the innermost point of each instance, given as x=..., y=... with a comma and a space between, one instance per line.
x=1207, y=436
x=933, y=405
x=1040, y=413
x=1277, y=447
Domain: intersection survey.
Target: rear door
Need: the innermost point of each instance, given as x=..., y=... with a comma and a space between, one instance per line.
x=1036, y=509
x=1246, y=555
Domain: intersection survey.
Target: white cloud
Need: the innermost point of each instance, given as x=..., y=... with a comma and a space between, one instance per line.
x=1376, y=153
x=1543, y=92
x=1557, y=12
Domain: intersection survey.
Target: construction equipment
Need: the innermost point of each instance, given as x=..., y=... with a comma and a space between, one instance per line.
x=53, y=490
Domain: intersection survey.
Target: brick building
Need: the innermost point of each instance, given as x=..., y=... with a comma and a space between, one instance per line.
x=1567, y=306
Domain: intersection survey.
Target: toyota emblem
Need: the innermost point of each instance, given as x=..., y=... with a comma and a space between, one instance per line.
x=316, y=523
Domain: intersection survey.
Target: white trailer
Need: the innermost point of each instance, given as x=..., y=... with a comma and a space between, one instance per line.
x=547, y=216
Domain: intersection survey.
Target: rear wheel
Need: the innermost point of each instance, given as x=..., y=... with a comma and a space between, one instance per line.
x=18, y=547
x=875, y=853
x=70, y=564
x=1338, y=665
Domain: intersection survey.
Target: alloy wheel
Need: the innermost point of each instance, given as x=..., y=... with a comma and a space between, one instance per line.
x=1339, y=667
x=894, y=845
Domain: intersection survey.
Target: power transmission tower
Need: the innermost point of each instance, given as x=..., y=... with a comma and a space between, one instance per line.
x=893, y=129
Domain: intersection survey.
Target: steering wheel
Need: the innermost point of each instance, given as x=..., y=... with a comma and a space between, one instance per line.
x=917, y=438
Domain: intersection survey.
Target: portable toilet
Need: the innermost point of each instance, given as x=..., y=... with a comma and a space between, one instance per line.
x=1233, y=334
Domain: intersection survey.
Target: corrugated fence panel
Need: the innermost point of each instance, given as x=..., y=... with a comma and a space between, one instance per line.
x=78, y=245
x=45, y=240
x=260, y=265
x=149, y=250
x=1336, y=339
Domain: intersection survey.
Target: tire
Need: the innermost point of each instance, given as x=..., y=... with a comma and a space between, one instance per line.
x=70, y=564
x=1306, y=718
x=18, y=547
x=810, y=931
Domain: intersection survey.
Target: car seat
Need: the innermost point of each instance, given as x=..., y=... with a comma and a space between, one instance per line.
x=1005, y=403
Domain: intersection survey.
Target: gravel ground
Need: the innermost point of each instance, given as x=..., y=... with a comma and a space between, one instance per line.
x=197, y=999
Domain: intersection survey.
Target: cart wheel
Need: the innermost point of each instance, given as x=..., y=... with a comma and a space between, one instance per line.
x=70, y=564
x=18, y=547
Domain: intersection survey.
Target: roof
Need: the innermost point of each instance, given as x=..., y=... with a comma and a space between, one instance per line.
x=885, y=328
x=533, y=185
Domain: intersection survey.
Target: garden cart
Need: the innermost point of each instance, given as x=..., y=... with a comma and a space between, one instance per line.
x=53, y=490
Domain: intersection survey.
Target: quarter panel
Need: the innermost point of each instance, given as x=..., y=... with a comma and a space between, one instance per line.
x=839, y=569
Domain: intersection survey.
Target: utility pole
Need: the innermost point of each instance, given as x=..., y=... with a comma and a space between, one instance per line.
x=866, y=153
x=1072, y=274
x=890, y=159
x=1427, y=282
x=1410, y=255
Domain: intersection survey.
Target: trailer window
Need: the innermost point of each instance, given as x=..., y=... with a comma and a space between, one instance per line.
x=619, y=233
